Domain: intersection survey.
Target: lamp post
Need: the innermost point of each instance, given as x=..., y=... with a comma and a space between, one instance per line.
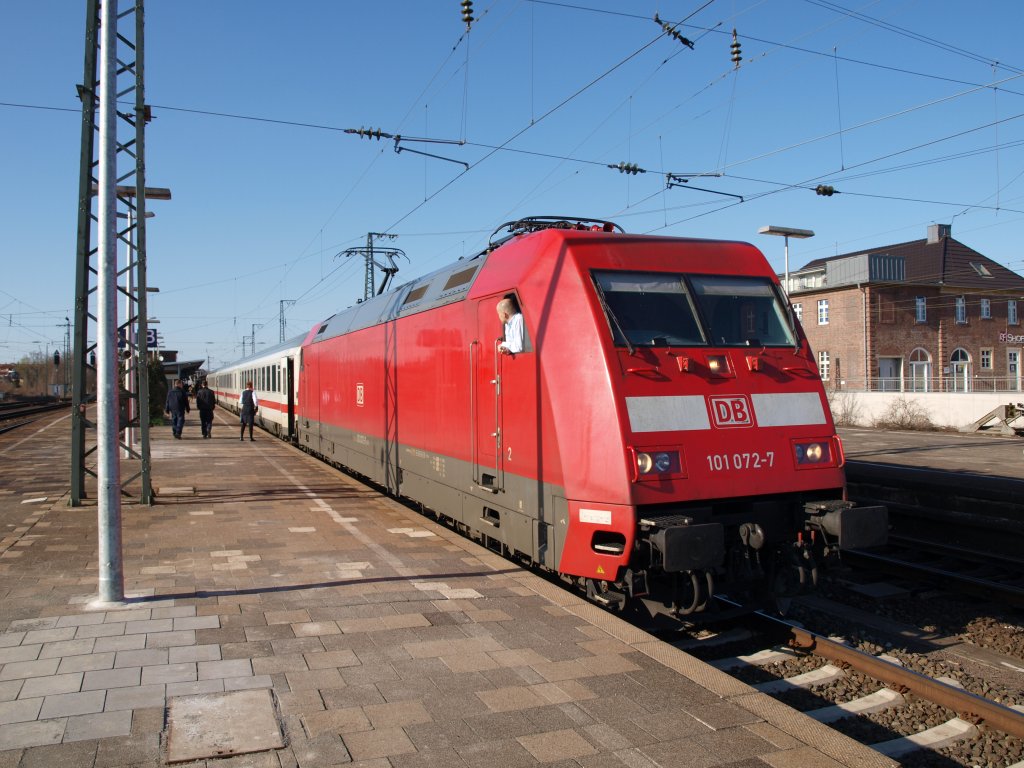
x=786, y=232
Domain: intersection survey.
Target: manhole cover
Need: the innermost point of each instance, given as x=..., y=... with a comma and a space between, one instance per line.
x=221, y=724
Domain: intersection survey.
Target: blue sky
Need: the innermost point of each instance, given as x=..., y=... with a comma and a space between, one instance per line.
x=911, y=109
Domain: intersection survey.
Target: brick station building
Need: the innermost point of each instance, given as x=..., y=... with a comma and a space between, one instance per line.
x=930, y=315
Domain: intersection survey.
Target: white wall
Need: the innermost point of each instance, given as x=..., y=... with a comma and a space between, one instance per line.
x=944, y=409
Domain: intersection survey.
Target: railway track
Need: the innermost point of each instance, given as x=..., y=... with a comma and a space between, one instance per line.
x=875, y=699
x=924, y=504
x=947, y=567
x=18, y=414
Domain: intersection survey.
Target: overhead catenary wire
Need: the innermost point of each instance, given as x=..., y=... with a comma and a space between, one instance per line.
x=584, y=163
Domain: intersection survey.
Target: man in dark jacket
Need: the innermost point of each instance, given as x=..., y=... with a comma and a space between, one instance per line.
x=205, y=402
x=176, y=407
x=248, y=404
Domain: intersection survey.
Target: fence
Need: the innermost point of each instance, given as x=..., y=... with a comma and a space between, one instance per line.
x=960, y=383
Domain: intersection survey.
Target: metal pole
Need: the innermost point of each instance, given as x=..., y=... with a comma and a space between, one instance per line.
x=141, y=361
x=67, y=350
x=786, y=286
x=368, y=282
x=130, y=338
x=83, y=268
x=111, y=576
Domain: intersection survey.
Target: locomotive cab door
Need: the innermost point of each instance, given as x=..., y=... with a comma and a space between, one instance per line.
x=485, y=397
x=309, y=396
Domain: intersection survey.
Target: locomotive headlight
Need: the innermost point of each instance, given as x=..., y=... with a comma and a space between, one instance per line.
x=657, y=463
x=644, y=463
x=813, y=454
x=718, y=365
x=662, y=462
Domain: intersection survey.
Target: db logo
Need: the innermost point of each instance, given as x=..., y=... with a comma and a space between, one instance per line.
x=731, y=411
x=359, y=395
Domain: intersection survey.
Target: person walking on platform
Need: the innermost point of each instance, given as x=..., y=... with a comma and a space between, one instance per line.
x=176, y=407
x=205, y=402
x=248, y=404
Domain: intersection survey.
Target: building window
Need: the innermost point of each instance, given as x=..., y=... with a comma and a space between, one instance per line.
x=822, y=311
x=921, y=309
x=1011, y=312
x=823, y=365
x=960, y=370
x=961, y=310
x=986, y=309
x=798, y=310
x=920, y=370
x=986, y=359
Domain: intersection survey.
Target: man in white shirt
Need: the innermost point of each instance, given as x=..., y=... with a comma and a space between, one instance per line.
x=512, y=319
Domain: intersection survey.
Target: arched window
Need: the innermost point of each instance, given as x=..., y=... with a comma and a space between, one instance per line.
x=920, y=370
x=960, y=370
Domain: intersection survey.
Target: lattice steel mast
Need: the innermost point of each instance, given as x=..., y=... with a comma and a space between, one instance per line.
x=131, y=193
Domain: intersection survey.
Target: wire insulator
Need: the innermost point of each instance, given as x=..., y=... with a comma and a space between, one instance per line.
x=467, y=13
x=737, y=57
x=631, y=169
x=671, y=31
x=369, y=133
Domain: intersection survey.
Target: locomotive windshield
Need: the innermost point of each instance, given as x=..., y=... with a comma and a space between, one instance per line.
x=656, y=309
x=742, y=310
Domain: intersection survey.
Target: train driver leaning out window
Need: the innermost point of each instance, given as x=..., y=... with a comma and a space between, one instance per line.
x=512, y=318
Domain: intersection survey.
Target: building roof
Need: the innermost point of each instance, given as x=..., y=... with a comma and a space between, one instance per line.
x=183, y=369
x=939, y=259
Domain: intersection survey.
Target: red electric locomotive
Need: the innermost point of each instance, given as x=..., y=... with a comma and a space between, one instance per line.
x=663, y=436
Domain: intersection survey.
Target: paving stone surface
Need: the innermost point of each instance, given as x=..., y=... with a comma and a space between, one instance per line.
x=381, y=639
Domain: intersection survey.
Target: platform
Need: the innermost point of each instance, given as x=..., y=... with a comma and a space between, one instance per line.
x=373, y=636
x=989, y=454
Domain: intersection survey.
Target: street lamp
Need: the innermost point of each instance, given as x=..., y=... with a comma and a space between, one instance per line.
x=786, y=232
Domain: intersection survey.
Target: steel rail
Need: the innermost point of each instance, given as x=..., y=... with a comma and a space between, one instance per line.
x=992, y=591
x=960, y=701
x=30, y=410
